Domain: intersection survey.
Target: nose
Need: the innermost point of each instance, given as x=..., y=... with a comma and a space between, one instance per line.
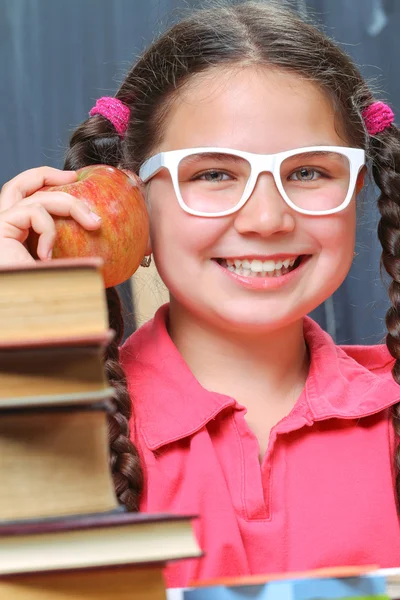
x=265, y=212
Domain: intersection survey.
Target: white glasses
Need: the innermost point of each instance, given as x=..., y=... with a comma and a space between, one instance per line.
x=214, y=182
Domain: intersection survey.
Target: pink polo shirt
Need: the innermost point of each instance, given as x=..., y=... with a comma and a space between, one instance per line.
x=324, y=493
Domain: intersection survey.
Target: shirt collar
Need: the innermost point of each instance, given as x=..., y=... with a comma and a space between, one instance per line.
x=167, y=399
x=340, y=386
x=170, y=404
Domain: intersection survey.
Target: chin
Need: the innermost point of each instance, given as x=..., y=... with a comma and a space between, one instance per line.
x=246, y=321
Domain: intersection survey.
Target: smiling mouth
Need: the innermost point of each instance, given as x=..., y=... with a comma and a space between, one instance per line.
x=261, y=268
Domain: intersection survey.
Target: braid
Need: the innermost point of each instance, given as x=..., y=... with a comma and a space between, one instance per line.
x=125, y=463
x=96, y=142
x=386, y=171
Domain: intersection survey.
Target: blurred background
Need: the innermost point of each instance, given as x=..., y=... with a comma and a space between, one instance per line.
x=58, y=56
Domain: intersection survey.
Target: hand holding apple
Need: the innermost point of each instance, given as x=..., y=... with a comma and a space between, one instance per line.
x=121, y=240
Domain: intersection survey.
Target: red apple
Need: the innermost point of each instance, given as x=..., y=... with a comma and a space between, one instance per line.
x=122, y=237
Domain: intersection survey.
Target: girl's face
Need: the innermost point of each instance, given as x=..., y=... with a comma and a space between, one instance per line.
x=261, y=111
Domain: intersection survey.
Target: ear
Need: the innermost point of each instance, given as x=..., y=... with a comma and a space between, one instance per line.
x=360, y=180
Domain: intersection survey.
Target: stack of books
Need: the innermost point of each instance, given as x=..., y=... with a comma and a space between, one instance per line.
x=62, y=532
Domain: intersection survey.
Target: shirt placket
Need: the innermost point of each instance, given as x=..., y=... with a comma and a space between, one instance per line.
x=254, y=488
x=258, y=480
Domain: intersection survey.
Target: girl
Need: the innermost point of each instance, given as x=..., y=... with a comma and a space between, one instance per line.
x=250, y=131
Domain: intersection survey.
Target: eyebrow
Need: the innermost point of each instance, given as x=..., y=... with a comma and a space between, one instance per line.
x=215, y=155
x=312, y=154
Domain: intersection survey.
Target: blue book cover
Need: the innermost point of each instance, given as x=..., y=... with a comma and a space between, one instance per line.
x=295, y=589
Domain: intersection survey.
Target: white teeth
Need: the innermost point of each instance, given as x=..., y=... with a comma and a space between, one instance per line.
x=269, y=265
x=257, y=267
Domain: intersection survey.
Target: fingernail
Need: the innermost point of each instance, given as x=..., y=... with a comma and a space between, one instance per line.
x=95, y=217
x=50, y=254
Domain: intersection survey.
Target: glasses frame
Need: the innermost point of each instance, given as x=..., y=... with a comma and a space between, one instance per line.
x=259, y=163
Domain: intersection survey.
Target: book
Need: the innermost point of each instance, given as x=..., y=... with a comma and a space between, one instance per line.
x=116, y=583
x=296, y=589
x=321, y=573
x=89, y=541
x=55, y=462
x=366, y=581
x=52, y=300
x=53, y=374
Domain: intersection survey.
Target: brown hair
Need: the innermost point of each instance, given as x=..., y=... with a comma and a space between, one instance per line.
x=248, y=33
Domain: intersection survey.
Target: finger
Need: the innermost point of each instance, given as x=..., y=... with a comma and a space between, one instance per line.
x=28, y=182
x=60, y=204
x=44, y=226
x=20, y=220
x=14, y=253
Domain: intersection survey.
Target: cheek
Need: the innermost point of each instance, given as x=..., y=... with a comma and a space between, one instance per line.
x=175, y=233
x=336, y=236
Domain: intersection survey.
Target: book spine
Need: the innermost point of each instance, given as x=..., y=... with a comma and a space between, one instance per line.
x=104, y=404
x=120, y=509
x=97, y=340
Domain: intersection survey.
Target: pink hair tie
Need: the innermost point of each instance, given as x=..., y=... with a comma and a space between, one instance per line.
x=377, y=116
x=115, y=111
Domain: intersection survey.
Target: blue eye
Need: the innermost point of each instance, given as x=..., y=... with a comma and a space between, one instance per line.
x=305, y=174
x=212, y=176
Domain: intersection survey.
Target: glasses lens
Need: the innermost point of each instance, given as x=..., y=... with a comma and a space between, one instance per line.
x=212, y=182
x=316, y=180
